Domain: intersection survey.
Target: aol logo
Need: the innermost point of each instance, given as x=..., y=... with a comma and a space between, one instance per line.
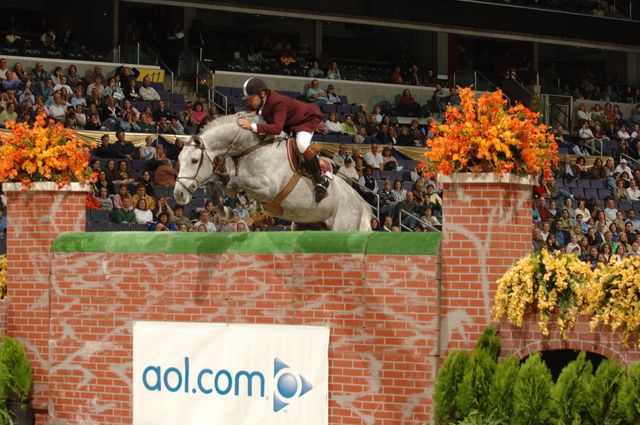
x=289, y=386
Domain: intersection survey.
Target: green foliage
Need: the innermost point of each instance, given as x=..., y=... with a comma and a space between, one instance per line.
x=477, y=418
x=449, y=377
x=16, y=376
x=602, y=407
x=473, y=393
x=5, y=416
x=569, y=395
x=490, y=341
x=500, y=402
x=532, y=393
x=629, y=396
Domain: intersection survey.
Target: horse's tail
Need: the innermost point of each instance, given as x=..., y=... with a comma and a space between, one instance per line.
x=365, y=219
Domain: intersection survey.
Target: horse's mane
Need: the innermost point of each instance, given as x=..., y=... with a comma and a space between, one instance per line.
x=226, y=120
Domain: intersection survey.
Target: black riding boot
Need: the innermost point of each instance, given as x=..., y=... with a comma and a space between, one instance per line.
x=312, y=163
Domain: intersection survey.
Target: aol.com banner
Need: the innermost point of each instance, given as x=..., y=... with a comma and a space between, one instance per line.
x=202, y=373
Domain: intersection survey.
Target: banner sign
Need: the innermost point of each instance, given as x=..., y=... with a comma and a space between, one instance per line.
x=209, y=373
x=155, y=75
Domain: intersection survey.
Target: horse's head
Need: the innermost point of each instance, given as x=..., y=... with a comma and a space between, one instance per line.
x=196, y=167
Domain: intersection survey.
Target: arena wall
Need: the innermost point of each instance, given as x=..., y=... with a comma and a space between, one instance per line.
x=396, y=303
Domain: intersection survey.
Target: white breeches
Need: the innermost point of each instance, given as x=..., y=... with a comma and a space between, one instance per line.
x=303, y=140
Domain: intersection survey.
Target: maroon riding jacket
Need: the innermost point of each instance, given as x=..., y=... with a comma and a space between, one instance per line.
x=284, y=113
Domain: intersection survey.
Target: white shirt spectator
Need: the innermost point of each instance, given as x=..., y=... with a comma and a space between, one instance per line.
x=81, y=119
x=623, y=135
x=148, y=93
x=374, y=160
x=62, y=86
x=147, y=152
x=586, y=215
x=209, y=225
x=611, y=213
x=634, y=192
x=143, y=217
x=585, y=133
x=622, y=167
x=333, y=127
x=57, y=112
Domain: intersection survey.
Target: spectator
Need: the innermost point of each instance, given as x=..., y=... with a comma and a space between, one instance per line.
x=124, y=214
x=11, y=82
x=96, y=85
x=440, y=98
x=58, y=108
x=126, y=73
x=582, y=172
x=332, y=97
x=3, y=69
x=314, y=70
x=48, y=39
x=73, y=78
x=106, y=203
x=141, y=193
x=413, y=77
x=388, y=160
x=598, y=171
x=123, y=174
x=114, y=90
x=198, y=113
x=374, y=158
x=611, y=210
x=396, y=76
x=333, y=73
x=164, y=207
x=372, y=126
x=63, y=85
x=160, y=112
x=143, y=214
x=130, y=91
x=387, y=202
x=145, y=180
x=341, y=155
x=164, y=223
x=147, y=151
x=361, y=136
x=332, y=125
x=348, y=170
x=147, y=92
x=583, y=116
x=123, y=148
x=315, y=93
x=566, y=168
x=165, y=174
x=8, y=114
x=633, y=191
x=586, y=135
x=623, y=168
x=407, y=106
x=204, y=221
x=631, y=218
x=178, y=217
x=145, y=123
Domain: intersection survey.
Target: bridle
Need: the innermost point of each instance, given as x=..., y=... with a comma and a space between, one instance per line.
x=203, y=154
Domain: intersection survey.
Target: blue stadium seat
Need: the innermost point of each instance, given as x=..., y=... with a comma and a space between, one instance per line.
x=597, y=184
x=624, y=205
x=99, y=216
x=590, y=193
x=584, y=183
x=345, y=139
x=120, y=227
x=331, y=138
x=317, y=137
x=328, y=107
x=578, y=192
x=636, y=206
x=604, y=193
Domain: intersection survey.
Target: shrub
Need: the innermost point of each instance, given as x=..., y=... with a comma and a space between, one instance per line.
x=490, y=341
x=500, y=402
x=602, y=407
x=473, y=392
x=15, y=371
x=569, y=395
x=629, y=396
x=532, y=393
x=449, y=377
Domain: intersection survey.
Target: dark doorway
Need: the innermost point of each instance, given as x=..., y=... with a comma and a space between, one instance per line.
x=556, y=360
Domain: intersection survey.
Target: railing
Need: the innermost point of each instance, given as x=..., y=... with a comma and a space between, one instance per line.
x=558, y=110
x=407, y=214
x=192, y=66
x=477, y=81
x=224, y=106
x=623, y=9
x=366, y=190
x=141, y=54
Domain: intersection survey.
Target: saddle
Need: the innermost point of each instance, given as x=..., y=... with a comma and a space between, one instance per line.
x=299, y=170
x=297, y=163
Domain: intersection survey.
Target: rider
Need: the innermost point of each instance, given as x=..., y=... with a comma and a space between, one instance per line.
x=283, y=113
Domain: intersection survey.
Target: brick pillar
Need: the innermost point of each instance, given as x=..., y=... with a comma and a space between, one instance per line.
x=34, y=218
x=486, y=228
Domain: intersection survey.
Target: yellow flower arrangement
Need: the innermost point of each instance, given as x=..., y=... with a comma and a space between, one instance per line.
x=546, y=283
x=613, y=298
x=44, y=152
x=483, y=135
x=3, y=276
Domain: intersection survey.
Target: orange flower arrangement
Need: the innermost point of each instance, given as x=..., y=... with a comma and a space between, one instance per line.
x=44, y=152
x=482, y=135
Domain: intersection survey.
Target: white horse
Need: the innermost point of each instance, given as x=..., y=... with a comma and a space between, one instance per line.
x=260, y=167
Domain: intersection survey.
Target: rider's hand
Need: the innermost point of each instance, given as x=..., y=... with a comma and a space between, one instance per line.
x=244, y=123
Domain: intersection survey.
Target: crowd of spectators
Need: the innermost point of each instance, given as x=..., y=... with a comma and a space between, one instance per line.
x=94, y=101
